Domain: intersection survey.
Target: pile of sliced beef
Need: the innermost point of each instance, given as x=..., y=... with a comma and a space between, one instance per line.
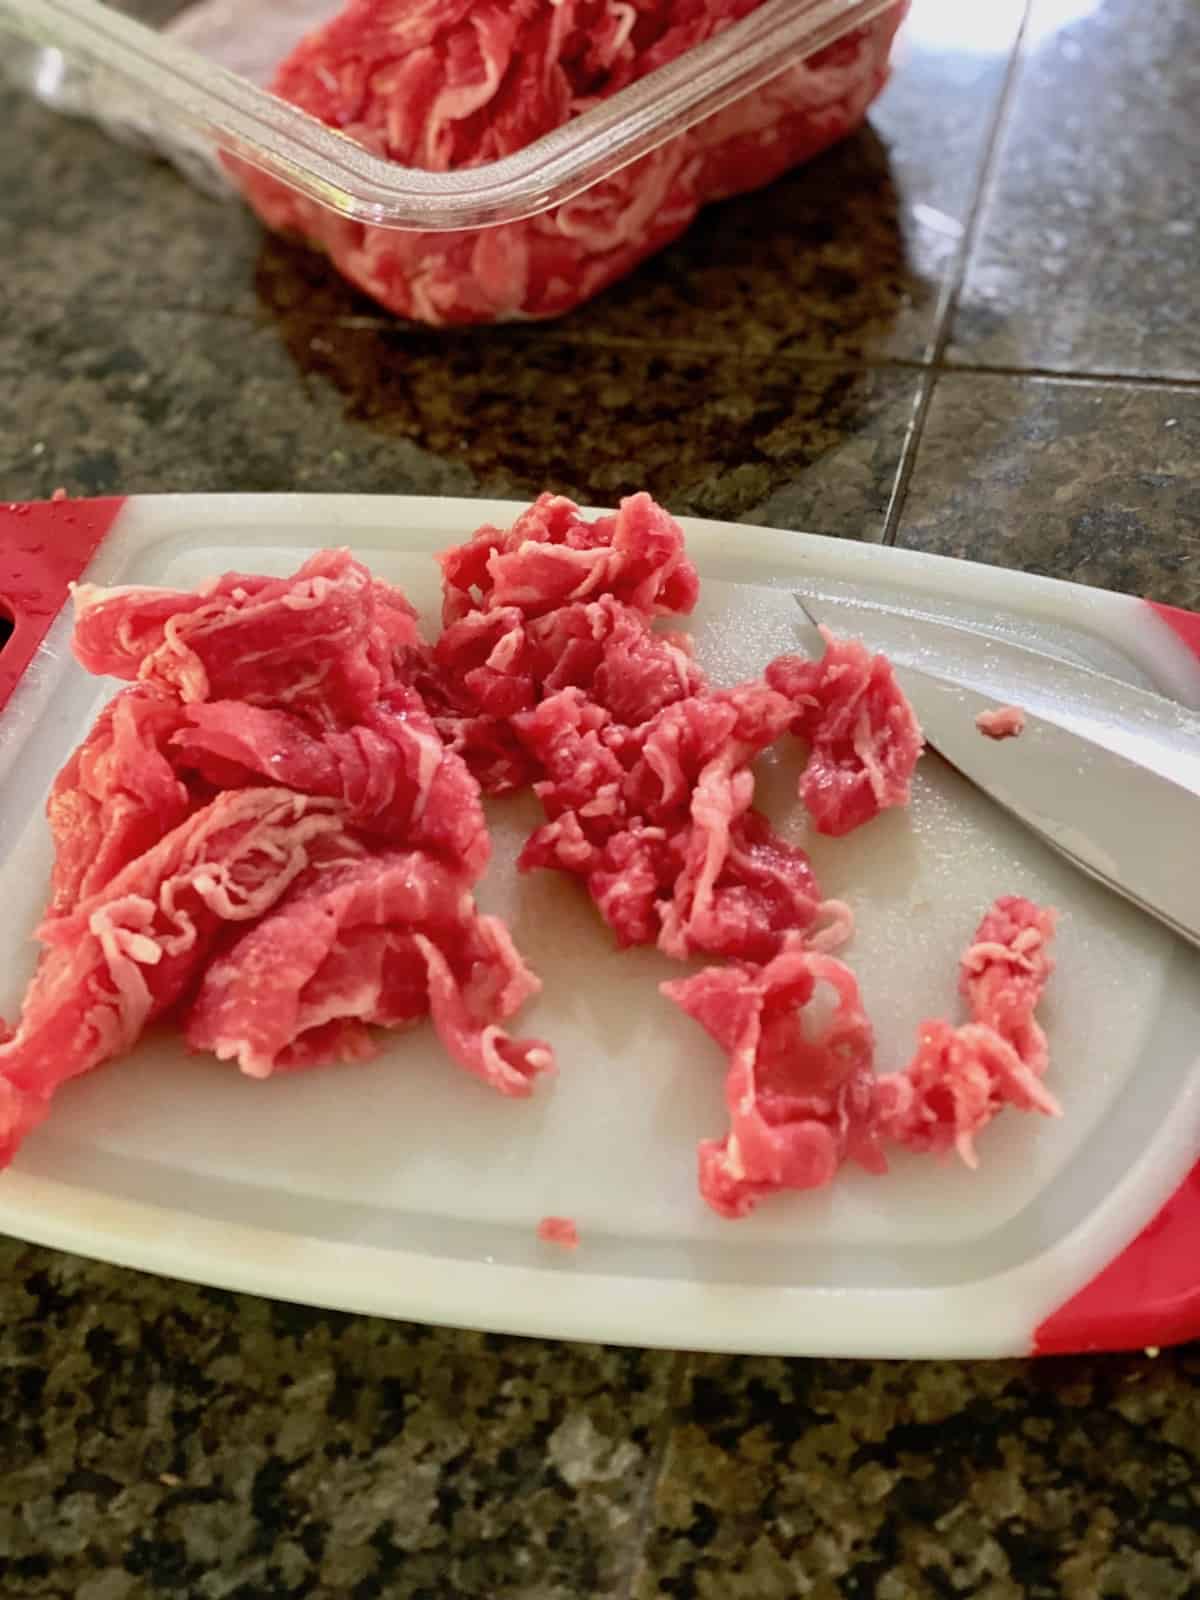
x=272, y=837
x=444, y=85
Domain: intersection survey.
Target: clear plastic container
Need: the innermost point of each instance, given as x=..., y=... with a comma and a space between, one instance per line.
x=144, y=82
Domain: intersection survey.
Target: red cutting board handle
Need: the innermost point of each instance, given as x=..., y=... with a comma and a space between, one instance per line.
x=1150, y=1295
x=44, y=547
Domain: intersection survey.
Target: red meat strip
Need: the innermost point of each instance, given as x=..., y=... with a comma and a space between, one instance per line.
x=386, y=940
x=560, y=1231
x=802, y=1102
x=443, y=85
x=1004, y=722
x=552, y=556
x=322, y=643
x=863, y=735
x=128, y=953
x=799, y=1104
x=116, y=796
x=658, y=821
x=391, y=770
x=961, y=1077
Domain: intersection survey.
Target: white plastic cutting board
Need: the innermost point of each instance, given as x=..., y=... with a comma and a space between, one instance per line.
x=404, y=1187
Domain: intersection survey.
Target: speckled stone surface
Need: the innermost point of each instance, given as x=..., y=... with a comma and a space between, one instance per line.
x=1087, y=256
x=1074, y=1479
x=180, y=401
x=163, y=1440
x=1096, y=482
x=160, y=1439
x=850, y=256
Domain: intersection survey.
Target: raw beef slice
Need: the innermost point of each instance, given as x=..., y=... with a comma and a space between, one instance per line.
x=321, y=643
x=385, y=940
x=802, y=1101
x=116, y=796
x=126, y=954
x=448, y=84
x=799, y=1103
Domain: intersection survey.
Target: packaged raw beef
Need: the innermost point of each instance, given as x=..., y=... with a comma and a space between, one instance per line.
x=444, y=85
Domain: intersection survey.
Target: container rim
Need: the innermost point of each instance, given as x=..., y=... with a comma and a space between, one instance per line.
x=265, y=132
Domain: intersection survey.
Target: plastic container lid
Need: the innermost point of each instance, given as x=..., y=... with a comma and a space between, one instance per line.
x=145, y=84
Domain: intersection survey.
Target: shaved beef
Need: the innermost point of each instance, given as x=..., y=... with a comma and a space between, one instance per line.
x=387, y=940
x=863, y=736
x=547, y=670
x=555, y=602
x=117, y=795
x=274, y=834
x=444, y=85
x=799, y=1104
x=129, y=952
x=391, y=770
x=485, y=1050
x=961, y=1077
x=272, y=737
x=321, y=643
x=552, y=556
x=657, y=821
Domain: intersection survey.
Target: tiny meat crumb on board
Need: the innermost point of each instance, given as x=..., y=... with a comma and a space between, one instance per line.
x=560, y=1231
x=1003, y=722
x=271, y=838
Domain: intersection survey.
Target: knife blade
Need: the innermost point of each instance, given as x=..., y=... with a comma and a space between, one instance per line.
x=1116, y=819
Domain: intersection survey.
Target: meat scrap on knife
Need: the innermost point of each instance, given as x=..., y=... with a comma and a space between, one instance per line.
x=272, y=838
x=1001, y=722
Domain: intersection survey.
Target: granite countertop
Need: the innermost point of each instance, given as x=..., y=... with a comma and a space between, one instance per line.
x=972, y=328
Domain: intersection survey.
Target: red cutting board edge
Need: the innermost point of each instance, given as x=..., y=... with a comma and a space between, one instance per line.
x=1148, y=1295
x=44, y=548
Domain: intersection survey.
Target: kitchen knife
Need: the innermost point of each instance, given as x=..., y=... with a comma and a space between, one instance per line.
x=1133, y=828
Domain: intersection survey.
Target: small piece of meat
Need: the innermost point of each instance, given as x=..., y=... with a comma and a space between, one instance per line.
x=116, y=796
x=129, y=952
x=1004, y=972
x=864, y=739
x=1004, y=722
x=552, y=556
x=800, y=1103
x=322, y=643
x=560, y=1231
x=961, y=1077
x=482, y=1048
x=953, y=1087
x=392, y=771
x=382, y=941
